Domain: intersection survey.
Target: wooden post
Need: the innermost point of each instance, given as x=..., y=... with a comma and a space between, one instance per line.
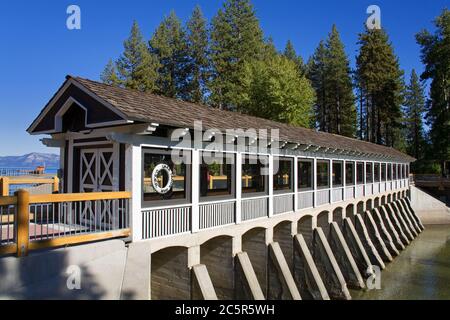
x=55, y=184
x=4, y=187
x=22, y=223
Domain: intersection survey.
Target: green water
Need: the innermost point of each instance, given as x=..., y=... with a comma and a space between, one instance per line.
x=420, y=272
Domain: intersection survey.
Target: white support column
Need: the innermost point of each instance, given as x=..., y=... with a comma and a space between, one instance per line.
x=330, y=173
x=295, y=181
x=315, y=181
x=364, y=178
x=195, y=171
x=62, y=155
x=344, y=184
x=271, y=185
x=238, y=167
x=69, y=168
x=116, y=166
x=355, y=178
x=133, y=183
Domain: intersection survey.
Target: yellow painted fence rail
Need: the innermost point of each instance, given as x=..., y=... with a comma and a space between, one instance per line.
x=32, y=222
x=6, y=182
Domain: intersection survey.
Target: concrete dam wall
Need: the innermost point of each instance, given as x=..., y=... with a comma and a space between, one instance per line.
x=316, y=256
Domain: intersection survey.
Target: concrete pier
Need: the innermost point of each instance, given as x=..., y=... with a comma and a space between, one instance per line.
x=384, y=233
x=306, y=275
x=328, y=267
x=375, y=236
x=371, y=251
x=390, y=227
x=357, y=249
x=295, y=256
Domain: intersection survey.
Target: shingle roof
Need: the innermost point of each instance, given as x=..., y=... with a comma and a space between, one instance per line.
x=146, y=107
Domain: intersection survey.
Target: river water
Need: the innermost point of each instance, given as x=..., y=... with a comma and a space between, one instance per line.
x=420, y=272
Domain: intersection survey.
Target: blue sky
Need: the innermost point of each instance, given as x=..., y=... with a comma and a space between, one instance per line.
x=38, y=50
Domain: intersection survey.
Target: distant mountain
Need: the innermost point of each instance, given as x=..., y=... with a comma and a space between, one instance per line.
x=30, y=160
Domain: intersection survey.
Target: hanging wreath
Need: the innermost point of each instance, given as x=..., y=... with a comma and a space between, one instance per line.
x=162, y=168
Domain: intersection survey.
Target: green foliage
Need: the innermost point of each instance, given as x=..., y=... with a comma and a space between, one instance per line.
x=137, y=68
x=414, y=109
x=435, y=50
x=109, y=74
x=169, y=45
x=275, y=89
x=426, y=167
x=236, y=38
x=289, y=52
x=198, y=64
x=380, y=84
x=330, y=74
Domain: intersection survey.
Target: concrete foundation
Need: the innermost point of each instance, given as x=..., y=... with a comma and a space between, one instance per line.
x=429, y=209
x=202, y=287
x=371, y=251
x=405, y=217
x=414, y=214
x=410, y=215
x=328, y=267
x=281, y=283
x=357, y=249
x=402, y=222
x=344, y=258
x=375, y=236
x=306, y=275
x=397, y=225
x=392, y=230
x=315, y=254
x=384, y=233
x=246, y=279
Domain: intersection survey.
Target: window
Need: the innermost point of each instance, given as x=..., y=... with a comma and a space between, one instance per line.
x=383, y=172
x=323, y=174
x=360, y=173
x=394, y=171
x=282, y=178
x=389, y=171
x=254, y=174
x=217, y=175
x=175, y=175
x=337, y=173
x=349, y=173
x=376, y=170
x=369, y=173
x=305, y=175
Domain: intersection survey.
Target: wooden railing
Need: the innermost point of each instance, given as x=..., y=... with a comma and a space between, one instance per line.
x=31, y=222
x=6, y=183
x=16, y=172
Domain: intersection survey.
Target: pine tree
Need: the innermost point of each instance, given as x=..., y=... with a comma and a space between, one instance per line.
x=316, y=74
x=236, y=38
x=169, y=45
x=380, y=82
x=137, y=68
x=109, y=74
x=198, y=64
x=435, y=55
x=330, y=74
x=339, y=89
x=289, y=52
x=275, y=89
x=414, y=109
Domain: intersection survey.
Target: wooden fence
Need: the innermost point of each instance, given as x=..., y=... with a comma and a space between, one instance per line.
x=6, y=183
